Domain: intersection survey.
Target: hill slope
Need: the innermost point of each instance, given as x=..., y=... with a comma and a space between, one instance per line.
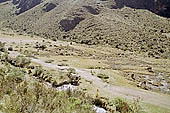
x=94, y=22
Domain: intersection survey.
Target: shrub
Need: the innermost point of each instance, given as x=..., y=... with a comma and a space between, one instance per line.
x=21, y=61
x=71, y=71
x=10, y=49
x=38, y=71
x=2, y=47
x=49, y=61
x=123, y=106
x=41, y=47
x=31, y=96
x=4, y=57
x=62, y=64
x=102, y=76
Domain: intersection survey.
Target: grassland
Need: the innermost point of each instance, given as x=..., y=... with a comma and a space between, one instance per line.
x=99, y=68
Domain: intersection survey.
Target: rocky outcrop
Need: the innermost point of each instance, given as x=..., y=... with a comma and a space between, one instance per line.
x=67, y=24
x=1, y=1
x=24, y=5
x=160, y=7
x=48, y=7
x=15, y=1
x=91, y=10
x=163, y=8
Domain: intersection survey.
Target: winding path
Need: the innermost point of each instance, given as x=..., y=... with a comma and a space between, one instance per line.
x=130, y=93
x=112, y=90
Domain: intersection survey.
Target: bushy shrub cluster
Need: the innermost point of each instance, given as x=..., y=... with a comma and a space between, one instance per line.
x=18, y=95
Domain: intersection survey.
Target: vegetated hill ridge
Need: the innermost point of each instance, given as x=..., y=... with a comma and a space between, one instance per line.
x=132, y=25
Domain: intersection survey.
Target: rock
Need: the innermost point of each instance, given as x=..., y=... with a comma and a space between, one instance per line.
x=15, y=2
x=143, y=85
x=74, y=79
x=66, y=87
x=1, y=1
x=99, y=110
x=160, y=7
x=92, y=10
x=67, y=24
x=24, y=5
x=48, y=7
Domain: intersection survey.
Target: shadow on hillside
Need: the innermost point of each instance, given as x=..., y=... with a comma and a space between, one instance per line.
x=161, y=7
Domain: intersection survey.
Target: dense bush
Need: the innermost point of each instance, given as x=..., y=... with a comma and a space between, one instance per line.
x=124, y=106
x=19, y=61
x=25, y=96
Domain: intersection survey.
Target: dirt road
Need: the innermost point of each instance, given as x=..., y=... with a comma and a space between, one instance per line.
x=162, y=100
x=147, y=96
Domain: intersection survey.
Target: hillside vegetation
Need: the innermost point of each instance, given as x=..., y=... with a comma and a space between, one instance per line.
x=24, y=88
x=89, y=56
x=135, y=26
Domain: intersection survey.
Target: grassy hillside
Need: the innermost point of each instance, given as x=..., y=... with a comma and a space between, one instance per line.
x=20, y=94
x=26, y=88
x=105, y=73
x=102, y=48
x=95, y=22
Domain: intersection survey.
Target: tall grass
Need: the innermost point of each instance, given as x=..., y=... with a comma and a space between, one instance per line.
x=20, y=95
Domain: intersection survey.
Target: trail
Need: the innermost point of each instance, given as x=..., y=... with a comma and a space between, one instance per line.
x=162, y=100
x=129, y=93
